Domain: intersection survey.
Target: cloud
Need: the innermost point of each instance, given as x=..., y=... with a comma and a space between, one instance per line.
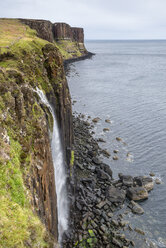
x=110, y=19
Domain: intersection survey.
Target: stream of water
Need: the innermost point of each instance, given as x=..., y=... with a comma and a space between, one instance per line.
x=59, y=170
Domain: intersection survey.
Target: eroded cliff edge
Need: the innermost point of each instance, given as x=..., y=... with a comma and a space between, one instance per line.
x=69, y=40
x=27, y=187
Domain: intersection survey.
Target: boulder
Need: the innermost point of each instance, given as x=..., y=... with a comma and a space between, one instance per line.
x=106, y=129
x=115, y=157
x=107, y=169
x=102, y=175
x=139, y=231
x=116, y=242
x=101, y=140
x=106, y=153
x=101, y=204
x=91, y=153
x=136, y=208
x=127, y=180
x=96, y=161
x=145, y=182
x=151, y=174
x=137, y=193
x=157, y=181
x=107, y=121
x=95, y=120
x=115, y=195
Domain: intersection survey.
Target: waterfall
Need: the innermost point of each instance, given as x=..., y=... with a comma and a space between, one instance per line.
x=59, y=170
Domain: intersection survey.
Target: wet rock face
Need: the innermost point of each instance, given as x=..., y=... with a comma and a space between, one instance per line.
x=60, y=97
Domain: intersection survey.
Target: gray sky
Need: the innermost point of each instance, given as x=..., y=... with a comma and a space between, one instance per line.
x=101, y=19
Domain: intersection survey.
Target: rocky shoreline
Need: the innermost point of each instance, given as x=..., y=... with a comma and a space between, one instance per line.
x=96, y=199
x=66, y=62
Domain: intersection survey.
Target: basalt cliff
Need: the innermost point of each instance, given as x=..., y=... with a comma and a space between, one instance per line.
x=69, y=40
x=32, y=58
x=32, y=54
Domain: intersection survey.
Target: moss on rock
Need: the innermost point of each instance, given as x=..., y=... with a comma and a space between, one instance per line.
x=27, y=188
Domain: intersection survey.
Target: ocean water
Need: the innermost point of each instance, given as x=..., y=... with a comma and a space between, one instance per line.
x=126, y=82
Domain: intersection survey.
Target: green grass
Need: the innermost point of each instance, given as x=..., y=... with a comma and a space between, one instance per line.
x=72, y=158
x=17, y=221
x=68, y=49
x=26, y=61
x=19, y=224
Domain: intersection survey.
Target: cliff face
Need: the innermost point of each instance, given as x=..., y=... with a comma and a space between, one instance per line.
x=64, y=31
x=26, y=166
x=69, y=40
x=43, y=28
x=78, y=34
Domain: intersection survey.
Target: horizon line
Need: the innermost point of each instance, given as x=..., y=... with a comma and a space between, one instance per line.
x=129, y=39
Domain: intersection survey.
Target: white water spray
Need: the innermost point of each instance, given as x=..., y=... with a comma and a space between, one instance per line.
x=59, y=170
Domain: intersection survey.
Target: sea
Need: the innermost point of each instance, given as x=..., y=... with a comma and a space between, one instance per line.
x=125, y=82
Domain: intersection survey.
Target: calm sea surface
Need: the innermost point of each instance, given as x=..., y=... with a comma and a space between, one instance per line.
x=126, y=82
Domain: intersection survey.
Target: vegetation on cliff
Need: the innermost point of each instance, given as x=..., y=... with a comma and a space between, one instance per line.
x=69, y=40
x=69, y=49
x=27, y=187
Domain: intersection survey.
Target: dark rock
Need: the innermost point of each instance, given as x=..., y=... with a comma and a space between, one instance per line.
x=103, y=228
x=91, y=153
x=115, y=157
x=108, y=170
x=132, y=243
x=95, y=120
x=107, y=121
x=145, y=182
x=101, y=204
x=115, y=195
x=119, y=185
x=102, y=175
x=127, y=180
x=106, y=129
x=78, y=205
x=136, y=208
x=43, y=28
x=96, y=161
x=158, y=181
x=139, y=231
x=97, y=212
x=137, y=193
x=117, y=243
x=106, y=153
x=110, y=215
x=101, y=140
x=80, y=166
